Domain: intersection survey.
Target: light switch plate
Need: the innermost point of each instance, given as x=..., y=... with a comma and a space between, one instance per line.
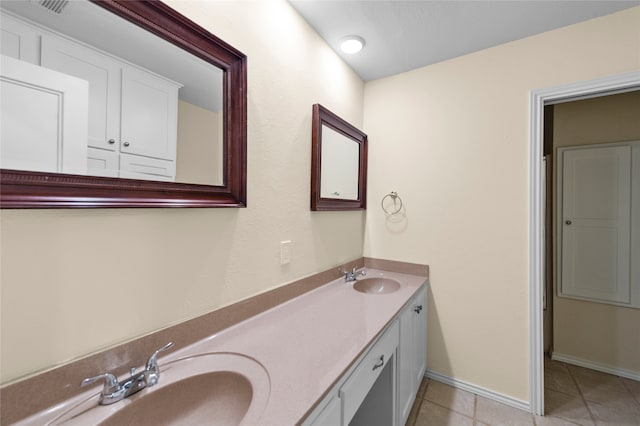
x=285, y=252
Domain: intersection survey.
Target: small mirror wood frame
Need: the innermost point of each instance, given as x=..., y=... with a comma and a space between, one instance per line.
x=322, y=116
x=24, y=189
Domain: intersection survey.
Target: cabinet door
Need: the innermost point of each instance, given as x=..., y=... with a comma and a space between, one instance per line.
x=103, y=75
x=19, y=40
x=139, y=167
x=412, y=352
x=149, y=115
x=420, y=337
x=102, y=163
x=330, y=415
x=406, y=362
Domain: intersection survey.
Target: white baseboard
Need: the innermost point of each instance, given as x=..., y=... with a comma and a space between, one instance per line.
x=484, y=392
x=616, y=371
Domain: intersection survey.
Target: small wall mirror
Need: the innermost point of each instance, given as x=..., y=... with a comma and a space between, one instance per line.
x=338, y=163
x=118, y=104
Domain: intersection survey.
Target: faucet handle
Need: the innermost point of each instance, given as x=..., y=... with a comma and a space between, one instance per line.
x=111, y=384
x=152, y=364
x=152, y=370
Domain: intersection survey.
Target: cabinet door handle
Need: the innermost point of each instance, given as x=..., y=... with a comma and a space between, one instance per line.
x=379, y=364
x=111, y=141
x=417, y=309
x=126, y=144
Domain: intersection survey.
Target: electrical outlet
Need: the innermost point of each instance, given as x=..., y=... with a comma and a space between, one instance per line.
x=285, y=252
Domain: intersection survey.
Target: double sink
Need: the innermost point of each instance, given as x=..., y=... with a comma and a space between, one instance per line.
x=222, y=388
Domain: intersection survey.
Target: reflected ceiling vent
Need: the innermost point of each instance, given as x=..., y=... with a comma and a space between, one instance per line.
x=55, y=6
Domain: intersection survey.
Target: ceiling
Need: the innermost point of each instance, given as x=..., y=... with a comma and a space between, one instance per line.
x=404, y=35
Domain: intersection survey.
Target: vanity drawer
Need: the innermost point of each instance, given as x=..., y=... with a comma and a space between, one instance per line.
x=358, y=385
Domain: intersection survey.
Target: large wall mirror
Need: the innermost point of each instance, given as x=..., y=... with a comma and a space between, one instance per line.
x=118, y=103
x=338, y=163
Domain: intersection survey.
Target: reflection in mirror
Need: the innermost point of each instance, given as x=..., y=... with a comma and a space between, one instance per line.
x=338, y=163
x=155, y=111
x=339, y=172
x=139, y=161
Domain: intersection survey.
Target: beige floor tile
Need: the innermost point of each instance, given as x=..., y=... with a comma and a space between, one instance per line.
x=560, y=380
x=623, y=411
x=423, y=388
x=567, y=407
x=601, y=388
x=552, y=421
x=558, y=366
x=450, y=397
x=435, y=415
x=494, y=413
x=633, y=386
x=413, y=414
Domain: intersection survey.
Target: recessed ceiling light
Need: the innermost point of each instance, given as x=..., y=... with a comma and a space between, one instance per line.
x=351, y=44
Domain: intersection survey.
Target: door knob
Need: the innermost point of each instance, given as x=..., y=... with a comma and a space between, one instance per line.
x=568, y=222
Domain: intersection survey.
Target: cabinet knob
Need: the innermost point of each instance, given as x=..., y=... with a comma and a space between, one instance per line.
x=126, y=144
x=568, y=222
x=417, y=309
x=111, y=141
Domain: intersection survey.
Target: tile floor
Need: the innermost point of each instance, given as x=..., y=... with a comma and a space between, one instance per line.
x=573, y=396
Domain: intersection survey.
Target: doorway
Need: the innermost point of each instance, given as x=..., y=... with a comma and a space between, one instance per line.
x=539, y=99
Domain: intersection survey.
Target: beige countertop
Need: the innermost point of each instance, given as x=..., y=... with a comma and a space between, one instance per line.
x=305, y=345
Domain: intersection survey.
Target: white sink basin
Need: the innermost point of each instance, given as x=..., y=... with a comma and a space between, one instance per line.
x=217, y=389
x=376, y=285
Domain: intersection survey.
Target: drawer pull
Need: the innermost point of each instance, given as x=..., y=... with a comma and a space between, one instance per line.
x=380, y=363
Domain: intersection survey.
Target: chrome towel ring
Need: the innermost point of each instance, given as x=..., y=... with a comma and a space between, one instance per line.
x=396, y=198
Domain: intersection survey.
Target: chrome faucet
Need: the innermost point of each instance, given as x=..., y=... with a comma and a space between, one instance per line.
x=350, y=276
x=114, y=391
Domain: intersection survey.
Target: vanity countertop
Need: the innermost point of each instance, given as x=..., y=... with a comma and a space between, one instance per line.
x=307, y=343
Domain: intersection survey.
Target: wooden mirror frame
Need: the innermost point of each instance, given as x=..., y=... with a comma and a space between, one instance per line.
x=25, y=189
x=321, y=116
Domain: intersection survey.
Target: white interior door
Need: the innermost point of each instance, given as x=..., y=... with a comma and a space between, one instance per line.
x=44, y=119
x=595, y=223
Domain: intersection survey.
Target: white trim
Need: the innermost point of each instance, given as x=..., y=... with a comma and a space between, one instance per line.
x=538, y=98
x=609, y=369
x=478, y=390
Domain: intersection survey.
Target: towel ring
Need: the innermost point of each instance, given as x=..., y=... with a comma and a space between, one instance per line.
x=394, y=196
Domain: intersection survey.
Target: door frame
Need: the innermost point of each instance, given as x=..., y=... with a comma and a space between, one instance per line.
x=609, y=85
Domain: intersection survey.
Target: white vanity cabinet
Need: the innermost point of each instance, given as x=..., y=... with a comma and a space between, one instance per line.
x=379, y=390
x=412, y=352
x=330, y=413
x=133, y=113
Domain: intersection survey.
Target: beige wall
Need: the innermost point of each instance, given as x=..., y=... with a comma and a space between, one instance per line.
x=199, y=149
x=453, y=140
x=77, y=281
x=600, y=333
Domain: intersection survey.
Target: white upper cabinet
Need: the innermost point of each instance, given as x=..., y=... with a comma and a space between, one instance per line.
x=149, y=115
x=126, y=103
x=19, y=41
x=103, y=75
